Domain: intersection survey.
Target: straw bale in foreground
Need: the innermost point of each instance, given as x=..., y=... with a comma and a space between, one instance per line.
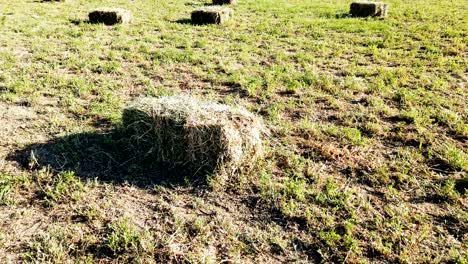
x=206, y=137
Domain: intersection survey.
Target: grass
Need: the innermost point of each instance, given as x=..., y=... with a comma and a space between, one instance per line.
x=64, y=186
x=48, y=247
x=124, y=237
x=366, y=161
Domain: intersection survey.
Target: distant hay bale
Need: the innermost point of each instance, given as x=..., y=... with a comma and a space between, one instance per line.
x=110, y=16
x=205, y=137
x=366, y=9
x=211, y=15
x=224, y=2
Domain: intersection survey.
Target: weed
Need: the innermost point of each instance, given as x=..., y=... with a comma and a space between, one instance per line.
x=125, y=238
x=455, y=157
x=5, y=189
x=9, y=185
x=48, y=247
x=63, y=188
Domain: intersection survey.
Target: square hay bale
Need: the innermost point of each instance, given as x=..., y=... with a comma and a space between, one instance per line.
x=366, y=9
x=224, y=2
x=110, y=16
x=211, y=15
x=208, y=139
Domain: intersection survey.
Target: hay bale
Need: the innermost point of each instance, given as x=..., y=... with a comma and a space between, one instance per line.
x=110, y=16
x=205, y=137
x=211, y=15
x=224, y=2
x=366, y=9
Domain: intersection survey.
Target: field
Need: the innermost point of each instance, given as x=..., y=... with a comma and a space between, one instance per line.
x=367, y=157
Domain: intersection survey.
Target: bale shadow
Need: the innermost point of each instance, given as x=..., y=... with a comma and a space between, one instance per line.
x=184, y=21
x=78, y=22
x=189, y=21
x=108, y=157
x=343, y=15
x=47, y=1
